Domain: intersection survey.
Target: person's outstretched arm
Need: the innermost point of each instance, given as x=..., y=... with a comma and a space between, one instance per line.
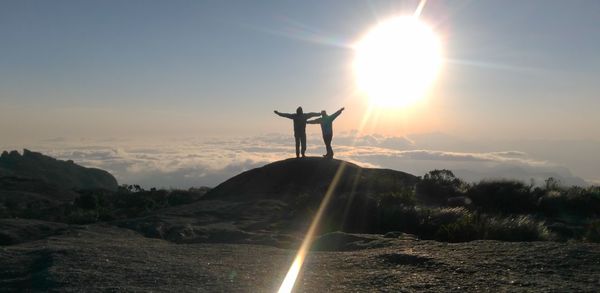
x=286, y=115
x=315, y=121
x=311, y=115
x=334, y=115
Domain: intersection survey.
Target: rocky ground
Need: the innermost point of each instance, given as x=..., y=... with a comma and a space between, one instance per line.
x=242, y=237
x=106, y=258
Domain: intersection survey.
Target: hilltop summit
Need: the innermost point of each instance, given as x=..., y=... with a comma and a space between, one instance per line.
x=273, y=203
x=288, y=179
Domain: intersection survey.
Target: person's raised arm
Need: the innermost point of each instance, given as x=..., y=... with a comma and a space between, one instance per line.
x=286, y=115
x=334, y=115
x=314, y=121
x=312, y=114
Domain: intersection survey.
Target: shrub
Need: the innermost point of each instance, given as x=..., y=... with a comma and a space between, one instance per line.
x=402, y=218
x=404, y=198
x=503, y=196
x=134, y=204
x=181, y=197
x=552, y=203
x=552, y=184
x=459, y=224
x=515, y=228
x=424, y=222
x=593, y=232
x=443, y=216
x=465, y=228
x=575, y=202
x=106, y=214
x=439, y=185
x=129, y=201
x=4, y=212
x=79, y=216
x=87, y=201
x=352, y=213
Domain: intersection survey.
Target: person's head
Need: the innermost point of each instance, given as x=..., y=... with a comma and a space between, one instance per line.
x=299, y=110
x=323, y=113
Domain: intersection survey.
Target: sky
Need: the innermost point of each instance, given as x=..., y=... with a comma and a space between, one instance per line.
x=125, y=76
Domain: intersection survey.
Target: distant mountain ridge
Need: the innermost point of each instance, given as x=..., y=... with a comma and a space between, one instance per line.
x=64, y=174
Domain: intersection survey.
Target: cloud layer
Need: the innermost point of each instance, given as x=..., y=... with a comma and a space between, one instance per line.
x=183, y=163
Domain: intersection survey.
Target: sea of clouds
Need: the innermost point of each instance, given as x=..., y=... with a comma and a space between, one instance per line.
x=194, y=162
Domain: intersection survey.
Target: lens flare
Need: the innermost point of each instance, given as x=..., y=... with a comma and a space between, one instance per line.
x=290, y=278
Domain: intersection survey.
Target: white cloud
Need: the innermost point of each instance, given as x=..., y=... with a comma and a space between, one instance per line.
x=195, y=162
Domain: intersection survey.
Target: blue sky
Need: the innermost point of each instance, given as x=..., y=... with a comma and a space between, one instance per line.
x=514, y=70
x=530, y=59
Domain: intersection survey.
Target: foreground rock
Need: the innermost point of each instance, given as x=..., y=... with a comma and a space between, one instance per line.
x=104, y=258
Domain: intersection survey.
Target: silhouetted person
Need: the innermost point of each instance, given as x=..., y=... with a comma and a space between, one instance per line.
x=326, y=122
x=299, y=127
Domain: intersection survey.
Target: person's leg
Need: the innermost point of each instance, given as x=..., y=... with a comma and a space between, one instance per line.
x=297, y=145
x=303, y=142
x=327, y=140
x=330, y=148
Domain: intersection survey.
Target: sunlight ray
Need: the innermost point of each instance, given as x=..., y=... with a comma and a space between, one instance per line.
x=491, y=65
x=290, y=279
x=301, y=32
x=350, y=198
x=420, y=8
x=363, y=123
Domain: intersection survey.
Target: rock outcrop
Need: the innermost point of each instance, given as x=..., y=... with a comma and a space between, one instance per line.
x=271, y=204
x=64, y=174
x=291, y=179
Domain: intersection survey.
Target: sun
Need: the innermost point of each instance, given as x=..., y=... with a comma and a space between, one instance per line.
x=396, y=62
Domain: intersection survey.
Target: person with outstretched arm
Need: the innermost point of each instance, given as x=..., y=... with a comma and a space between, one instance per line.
x=299, y=128
x=326, y=122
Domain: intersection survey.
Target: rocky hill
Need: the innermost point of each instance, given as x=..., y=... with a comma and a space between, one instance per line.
x=64, y=174
x=274, y=203
x=292, y=178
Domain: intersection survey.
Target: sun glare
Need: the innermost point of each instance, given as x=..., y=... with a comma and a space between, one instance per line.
x=396, y=62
